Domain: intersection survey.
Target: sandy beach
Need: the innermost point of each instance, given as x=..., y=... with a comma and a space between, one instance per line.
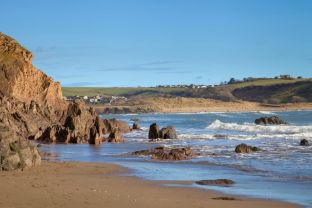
x=60, y=184
x=195, y=105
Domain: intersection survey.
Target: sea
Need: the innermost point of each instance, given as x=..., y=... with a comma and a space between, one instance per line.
x=281, y=171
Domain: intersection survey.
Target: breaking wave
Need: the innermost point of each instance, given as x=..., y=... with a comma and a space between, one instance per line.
x=269, y=129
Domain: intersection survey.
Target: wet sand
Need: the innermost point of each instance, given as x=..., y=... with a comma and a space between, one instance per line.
x=63, y=184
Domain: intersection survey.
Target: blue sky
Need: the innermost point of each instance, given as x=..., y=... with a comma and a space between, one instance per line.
x=151, y=42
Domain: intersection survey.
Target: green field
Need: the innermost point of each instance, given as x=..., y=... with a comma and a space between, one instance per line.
x=116, y=91
x=283, y=90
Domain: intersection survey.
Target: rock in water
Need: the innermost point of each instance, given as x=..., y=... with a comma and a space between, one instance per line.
x=270, y=120
x=162, y=153
x=168, y=132
x=217, y=182
x=136, y=126
x=304, y=142
x=244, y=148
x=154, y=132
x=16, y=152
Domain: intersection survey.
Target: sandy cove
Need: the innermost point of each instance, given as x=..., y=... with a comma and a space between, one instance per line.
x=195, y=105
x=63, y=184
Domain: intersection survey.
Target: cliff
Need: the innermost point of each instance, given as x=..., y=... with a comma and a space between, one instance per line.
x=21, y=80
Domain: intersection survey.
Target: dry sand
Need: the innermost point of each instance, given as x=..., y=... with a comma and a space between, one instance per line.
x=77, y=185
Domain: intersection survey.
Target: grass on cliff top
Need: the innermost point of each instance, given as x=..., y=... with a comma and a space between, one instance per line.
x=115, y=91
x=149, y=91
x=264, y=82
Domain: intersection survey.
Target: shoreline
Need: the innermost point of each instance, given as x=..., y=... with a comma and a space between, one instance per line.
x=80, y=184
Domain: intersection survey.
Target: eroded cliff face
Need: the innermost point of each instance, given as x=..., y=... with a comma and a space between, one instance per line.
x=21, y=80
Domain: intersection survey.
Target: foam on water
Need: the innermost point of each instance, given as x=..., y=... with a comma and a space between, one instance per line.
x=250, y=127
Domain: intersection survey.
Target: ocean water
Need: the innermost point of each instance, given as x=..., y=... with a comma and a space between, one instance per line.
x=282, y=170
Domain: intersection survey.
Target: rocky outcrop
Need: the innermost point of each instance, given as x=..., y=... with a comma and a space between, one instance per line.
x=32, y=107
x=217, y=182
x=112, y=125
x=167, y=132
x=15, y=151
x=274, y=120
x=244, y=148
x=163, y=153
x=304, y=142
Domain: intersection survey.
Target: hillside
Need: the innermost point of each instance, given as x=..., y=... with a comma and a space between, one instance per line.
x=263, y=90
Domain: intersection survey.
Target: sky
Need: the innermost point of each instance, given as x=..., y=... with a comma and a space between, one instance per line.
x=156, y=42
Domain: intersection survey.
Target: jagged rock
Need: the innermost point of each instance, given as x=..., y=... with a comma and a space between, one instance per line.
x=115, y=137
x=270, y=120
x=162, y=153
x=55, y=133
x=304, y=142
x=244, y=148
x=154, y=132
x=16, y=152
x=95, y=137
x=217, y=182
x=168, y=132
x=112, y=125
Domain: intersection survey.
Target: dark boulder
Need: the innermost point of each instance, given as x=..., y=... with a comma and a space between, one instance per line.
x=244, y=148
x=304, y=142
x=217, y=182
x=154, y=132
x=168, y=132
x=273, y=120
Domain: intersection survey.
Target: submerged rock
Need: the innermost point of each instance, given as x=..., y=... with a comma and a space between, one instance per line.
x=304, y=142
x=162, y=153
x=217, y=182
x=270, y=120
x=244, y=148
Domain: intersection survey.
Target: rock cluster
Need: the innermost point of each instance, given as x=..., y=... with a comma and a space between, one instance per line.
x=167, y=132
x=244, y=148
x=273, y=120
x=162, y=153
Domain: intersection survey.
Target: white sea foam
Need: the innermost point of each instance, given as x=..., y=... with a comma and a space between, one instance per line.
x=269, y=129
x=267, y=112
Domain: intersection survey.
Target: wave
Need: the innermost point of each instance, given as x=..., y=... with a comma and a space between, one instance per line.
x=267, y=112
x=250, y=127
